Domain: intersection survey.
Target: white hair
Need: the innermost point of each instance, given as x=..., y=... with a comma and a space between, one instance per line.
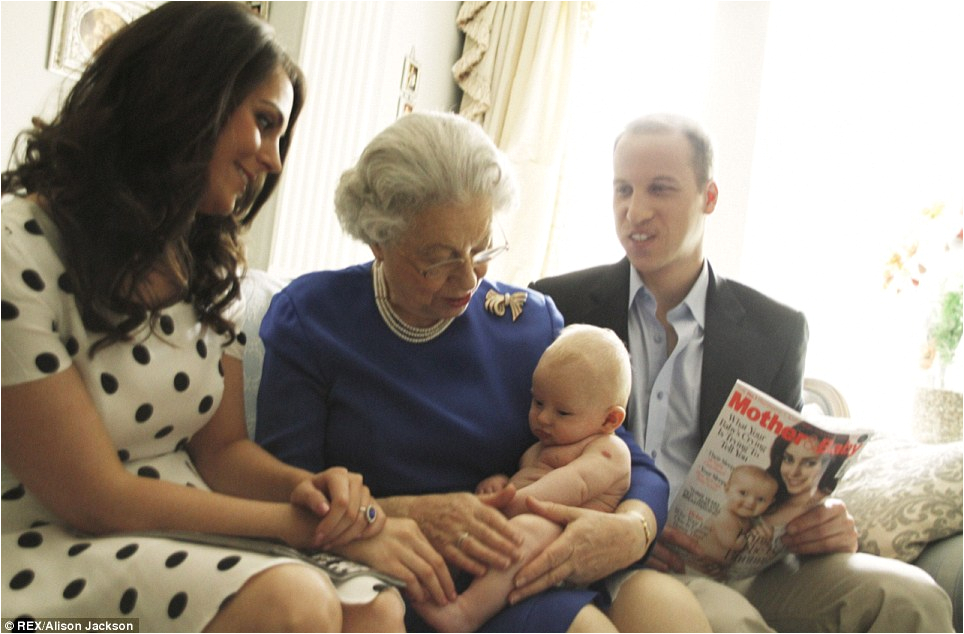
x=421, y=160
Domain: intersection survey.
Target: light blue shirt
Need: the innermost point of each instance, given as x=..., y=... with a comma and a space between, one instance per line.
x=663, y=408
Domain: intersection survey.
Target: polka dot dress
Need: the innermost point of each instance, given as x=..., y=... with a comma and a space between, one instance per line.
x=152, y=394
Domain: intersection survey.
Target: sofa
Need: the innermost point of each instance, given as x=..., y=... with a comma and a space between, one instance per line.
x=905, y=496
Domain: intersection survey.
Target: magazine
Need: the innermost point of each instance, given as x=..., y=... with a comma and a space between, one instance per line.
x=762, y=465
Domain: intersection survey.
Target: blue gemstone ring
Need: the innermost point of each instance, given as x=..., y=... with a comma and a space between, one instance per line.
x=369, y=512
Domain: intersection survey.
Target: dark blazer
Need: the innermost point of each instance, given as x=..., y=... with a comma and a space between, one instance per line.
x=748, y=336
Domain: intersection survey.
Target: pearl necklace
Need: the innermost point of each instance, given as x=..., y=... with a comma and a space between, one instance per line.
x=411, y=334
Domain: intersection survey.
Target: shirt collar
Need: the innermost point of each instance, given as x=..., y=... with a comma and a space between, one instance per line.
x=695, y=300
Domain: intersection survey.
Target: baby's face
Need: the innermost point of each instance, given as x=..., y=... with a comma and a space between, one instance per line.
x=564, y=410
x=749, y=494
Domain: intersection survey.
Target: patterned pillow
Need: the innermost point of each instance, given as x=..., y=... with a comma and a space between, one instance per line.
x=904, y=495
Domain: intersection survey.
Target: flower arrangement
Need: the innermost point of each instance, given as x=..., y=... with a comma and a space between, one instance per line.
x=929, y=267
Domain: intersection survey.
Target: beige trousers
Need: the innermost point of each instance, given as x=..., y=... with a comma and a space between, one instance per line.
x=829, y=593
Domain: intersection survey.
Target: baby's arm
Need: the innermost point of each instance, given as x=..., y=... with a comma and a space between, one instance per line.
x=603, y=467
x=729, y=533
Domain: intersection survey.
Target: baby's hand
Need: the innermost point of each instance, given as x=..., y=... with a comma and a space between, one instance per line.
x=492, y=484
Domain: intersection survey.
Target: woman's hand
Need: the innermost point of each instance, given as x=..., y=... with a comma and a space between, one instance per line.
x=401, y=550
x=827, y=528
x=469, y=531
x=591, y=546
x=343, y=503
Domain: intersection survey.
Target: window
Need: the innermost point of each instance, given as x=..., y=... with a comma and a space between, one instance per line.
x=834, y=125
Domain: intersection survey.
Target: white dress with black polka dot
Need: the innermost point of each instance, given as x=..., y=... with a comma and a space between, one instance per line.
x=152, y=394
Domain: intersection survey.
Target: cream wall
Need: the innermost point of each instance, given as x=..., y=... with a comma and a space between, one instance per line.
x=28, y=89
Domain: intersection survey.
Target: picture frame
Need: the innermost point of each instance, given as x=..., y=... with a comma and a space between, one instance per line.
x=259, y=8
x=408, y=87
x=405, y=106
x=410, y=76
x=79, y=28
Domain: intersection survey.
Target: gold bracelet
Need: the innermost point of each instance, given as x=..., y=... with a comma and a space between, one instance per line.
x=646, y=532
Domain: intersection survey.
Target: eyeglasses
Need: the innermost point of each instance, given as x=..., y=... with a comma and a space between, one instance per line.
x=447, y=268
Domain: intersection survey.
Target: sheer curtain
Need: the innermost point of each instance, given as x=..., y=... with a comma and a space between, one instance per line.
x=516, y=73
x=860, y=129
x=338, y=120
x=835, y=124
x=640, y=57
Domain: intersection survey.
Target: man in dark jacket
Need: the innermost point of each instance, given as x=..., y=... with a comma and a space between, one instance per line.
x=691, y=335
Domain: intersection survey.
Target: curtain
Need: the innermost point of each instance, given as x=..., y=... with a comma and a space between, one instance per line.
x=516, y=76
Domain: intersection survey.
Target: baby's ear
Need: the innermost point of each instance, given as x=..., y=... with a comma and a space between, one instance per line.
x=615, y=416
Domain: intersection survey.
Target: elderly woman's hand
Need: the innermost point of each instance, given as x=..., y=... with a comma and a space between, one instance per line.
x=592, y=545
x=401, y=550
x=469, y=530
x=345, y=505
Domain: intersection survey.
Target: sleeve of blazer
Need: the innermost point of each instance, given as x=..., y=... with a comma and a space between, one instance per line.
x=753, y=338
x=788, y=382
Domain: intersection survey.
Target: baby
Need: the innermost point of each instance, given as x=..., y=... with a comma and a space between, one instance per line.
x=749, y=492
x=579, y=392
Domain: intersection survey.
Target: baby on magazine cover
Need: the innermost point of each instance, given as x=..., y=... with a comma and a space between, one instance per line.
x=762, y=451
x=750, y=490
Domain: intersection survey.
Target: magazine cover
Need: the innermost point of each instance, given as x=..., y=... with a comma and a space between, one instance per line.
x=761, y=466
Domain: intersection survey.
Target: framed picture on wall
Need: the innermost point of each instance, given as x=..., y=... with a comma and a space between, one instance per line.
x=261, y=8
x=79, y=28
x=410, y=75
x=409, y=86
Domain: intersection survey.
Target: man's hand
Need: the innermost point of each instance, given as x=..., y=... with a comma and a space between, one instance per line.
x=827, y=528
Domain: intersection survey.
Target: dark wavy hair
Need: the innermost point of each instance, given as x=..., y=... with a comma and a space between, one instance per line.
x=828, y=479
x=123, y=166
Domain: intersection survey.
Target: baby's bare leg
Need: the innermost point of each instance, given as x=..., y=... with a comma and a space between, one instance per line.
x=486, y=595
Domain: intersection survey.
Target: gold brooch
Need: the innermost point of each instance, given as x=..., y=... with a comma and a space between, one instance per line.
x=495, y=303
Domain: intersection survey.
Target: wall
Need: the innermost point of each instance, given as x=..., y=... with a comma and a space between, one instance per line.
x=356, y=51
x=29, y=89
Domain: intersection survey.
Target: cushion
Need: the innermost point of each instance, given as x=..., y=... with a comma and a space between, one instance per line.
x=257, y=288
x=904, y=495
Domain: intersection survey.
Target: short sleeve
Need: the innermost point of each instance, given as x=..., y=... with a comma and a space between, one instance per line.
x=35, y=295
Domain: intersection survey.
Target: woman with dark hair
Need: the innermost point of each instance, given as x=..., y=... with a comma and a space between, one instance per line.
x=123, y=412
x=805, y=477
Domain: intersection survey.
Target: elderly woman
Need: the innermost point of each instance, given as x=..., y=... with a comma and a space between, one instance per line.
x=415, y=371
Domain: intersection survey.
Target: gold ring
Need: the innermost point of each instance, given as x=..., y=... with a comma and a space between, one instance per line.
x=370, y=513
x=458, y=543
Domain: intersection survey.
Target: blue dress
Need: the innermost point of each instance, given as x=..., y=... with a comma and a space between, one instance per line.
x=339, y=388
